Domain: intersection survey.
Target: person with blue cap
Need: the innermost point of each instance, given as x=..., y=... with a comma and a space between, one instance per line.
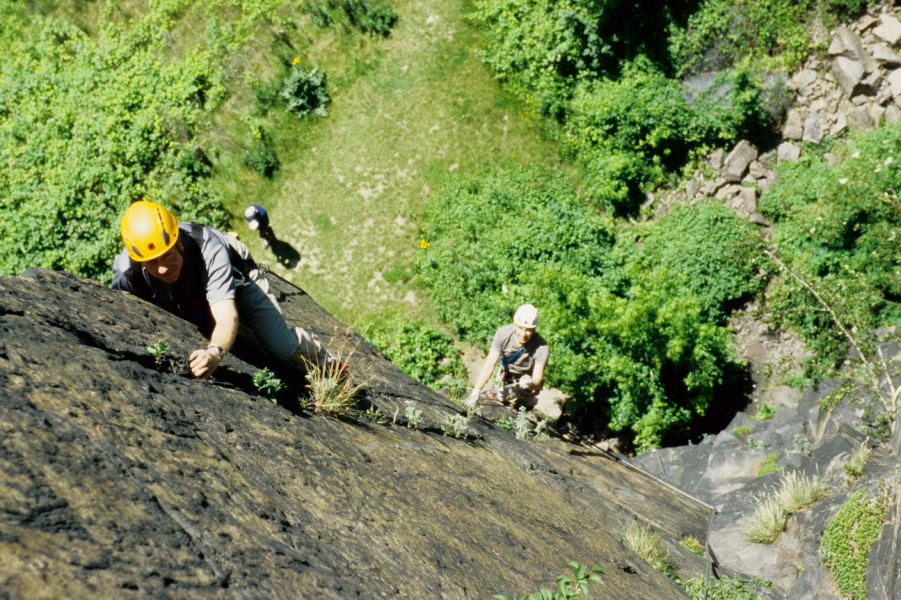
x=258, y=220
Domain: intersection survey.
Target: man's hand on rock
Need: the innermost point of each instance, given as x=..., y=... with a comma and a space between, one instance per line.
x=204, y=361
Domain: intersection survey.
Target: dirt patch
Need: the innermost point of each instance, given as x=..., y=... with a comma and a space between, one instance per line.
x=772, y=355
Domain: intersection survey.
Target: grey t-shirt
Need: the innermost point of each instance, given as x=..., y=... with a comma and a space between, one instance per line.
x=534, y=353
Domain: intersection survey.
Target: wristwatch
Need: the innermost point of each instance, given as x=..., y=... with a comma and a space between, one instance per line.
x=219, y=350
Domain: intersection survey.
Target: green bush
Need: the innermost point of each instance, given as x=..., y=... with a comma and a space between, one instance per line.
x=419, y=350
x=539, y=49
x=722, y=33
x=370, y=16
x=837, y=227
x=846, y=542
x=260, y=156
x=373, y=17
x=626, y=133
x=716, y=255
x=485, y=233
x=304, y=91
x=647, y=358
x=88, y=125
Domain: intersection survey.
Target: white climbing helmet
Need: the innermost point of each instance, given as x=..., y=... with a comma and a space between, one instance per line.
x=526, y=316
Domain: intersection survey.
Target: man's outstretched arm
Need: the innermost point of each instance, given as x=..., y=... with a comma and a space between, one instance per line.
x=204, y=361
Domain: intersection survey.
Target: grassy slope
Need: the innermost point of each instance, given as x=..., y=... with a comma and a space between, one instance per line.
x=351, y=187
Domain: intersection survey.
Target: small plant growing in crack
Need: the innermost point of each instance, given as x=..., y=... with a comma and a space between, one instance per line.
x=412, y=414
x=159, y=350
x=267, y=383
x=455, y=425
x=522, y=428
x=374, y=414
x=331, y=389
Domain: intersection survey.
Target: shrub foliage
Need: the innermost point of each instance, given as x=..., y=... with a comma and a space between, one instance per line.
x=91, y=123
x=838, y=226
x=305, y=91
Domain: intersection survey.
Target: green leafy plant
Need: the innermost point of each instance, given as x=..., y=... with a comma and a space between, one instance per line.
x=741, y=430
x=730, y=587
x=521, y=425
x=455, y=425
x=412, y=414
x=370, y=16
x=768, y=464
x=265, y=381
x=848, y=537
x=569, y=587
x=374, y=414
x=373, y=17
x=304, y=91
x=506, y=423
x=764, y=412
x=261, y=156
x=755, y=444
x=540, y=433
x=163, y=360
x=158, y=350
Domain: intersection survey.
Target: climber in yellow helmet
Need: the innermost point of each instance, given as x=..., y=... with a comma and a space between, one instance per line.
x=210, y=279
x=522, y=354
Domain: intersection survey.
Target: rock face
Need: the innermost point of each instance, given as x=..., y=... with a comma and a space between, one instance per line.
x=803, y=438
x=122, y=478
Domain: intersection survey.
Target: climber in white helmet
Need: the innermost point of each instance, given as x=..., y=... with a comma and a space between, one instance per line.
x=522, y=354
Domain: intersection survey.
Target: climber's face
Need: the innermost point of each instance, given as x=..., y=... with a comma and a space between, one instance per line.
x=167, y=266
x=523, y=334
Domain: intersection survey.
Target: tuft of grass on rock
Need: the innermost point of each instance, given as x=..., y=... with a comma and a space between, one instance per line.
x=641, y=540
x=767, y=521
x=331, y=391
x=796, y=492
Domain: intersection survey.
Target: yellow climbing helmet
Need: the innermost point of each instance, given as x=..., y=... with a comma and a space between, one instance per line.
x=148, y=230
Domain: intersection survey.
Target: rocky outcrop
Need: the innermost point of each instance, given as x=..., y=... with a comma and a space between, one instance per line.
x=814, y=434
x=857, y=86
x=122, y=477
